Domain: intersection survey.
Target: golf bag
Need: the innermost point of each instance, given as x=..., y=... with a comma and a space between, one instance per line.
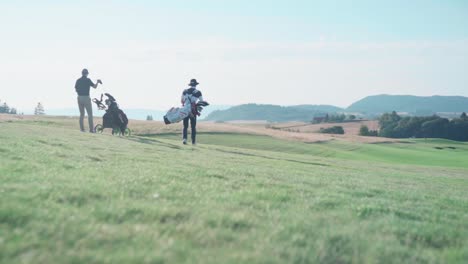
x=114, y=117
x=177, y=114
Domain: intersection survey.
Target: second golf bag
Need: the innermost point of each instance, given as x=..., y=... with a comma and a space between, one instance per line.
x=177, y=114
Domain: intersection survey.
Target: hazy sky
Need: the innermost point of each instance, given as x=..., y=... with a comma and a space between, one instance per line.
x=241, y=51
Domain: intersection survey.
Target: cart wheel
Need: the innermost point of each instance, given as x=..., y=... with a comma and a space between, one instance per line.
x=99, y=129
x=127, y=132
x=115, y=131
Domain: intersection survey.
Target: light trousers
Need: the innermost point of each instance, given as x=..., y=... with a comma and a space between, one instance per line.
x=84, y=102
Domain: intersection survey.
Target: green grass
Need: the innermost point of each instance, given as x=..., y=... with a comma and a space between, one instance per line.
x=430, y=152
x=69, y=197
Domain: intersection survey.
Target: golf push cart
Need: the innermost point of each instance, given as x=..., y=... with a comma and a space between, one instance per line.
x=114, y=117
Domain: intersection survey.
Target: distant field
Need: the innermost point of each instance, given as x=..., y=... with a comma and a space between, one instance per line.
x=302, y=132
x=244, y=197
x=351, y=128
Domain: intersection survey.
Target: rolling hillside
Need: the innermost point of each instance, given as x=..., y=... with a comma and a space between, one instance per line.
x=411, y=104
x=71, y=197
x=371, y=105
x=272, y=113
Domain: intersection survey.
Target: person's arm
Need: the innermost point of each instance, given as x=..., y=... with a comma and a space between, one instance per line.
x=76, y=86
x=94, y=85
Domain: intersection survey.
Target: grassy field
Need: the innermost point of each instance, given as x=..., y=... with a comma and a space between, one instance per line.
x=429, y=152
x=71, y=197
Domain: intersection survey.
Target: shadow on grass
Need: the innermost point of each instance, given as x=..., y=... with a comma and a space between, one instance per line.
x=154, y=142
x=166, y=134
x=146, y=140
x=271, y=158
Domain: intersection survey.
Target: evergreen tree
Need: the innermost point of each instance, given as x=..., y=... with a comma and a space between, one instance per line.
x=464, y=116
x=4, y=108
x=39, y=110
x=149, y=118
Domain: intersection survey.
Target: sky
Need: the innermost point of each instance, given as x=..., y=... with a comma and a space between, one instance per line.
x=241, y=51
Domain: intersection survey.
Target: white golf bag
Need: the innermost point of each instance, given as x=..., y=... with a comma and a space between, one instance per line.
x=177, y=114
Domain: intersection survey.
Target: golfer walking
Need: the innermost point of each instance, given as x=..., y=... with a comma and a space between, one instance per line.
x=82, y=87
x=191, y=96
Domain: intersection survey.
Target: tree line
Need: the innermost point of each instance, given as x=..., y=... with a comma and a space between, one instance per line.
x=332, y=130
x=5, y=109
x=334, y=118
x=393, y=125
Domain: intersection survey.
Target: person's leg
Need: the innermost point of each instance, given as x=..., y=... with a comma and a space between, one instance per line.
x=89, y=111
x=82, y=109
x=193, y=124
x=184, y=133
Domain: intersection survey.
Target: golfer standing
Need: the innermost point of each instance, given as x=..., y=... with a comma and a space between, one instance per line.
x=82, y=87
x=191, y=96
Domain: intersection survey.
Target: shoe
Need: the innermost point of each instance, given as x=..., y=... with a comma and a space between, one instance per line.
x=184, y=142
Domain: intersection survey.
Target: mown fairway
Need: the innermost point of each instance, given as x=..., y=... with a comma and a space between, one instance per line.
x=69, y=197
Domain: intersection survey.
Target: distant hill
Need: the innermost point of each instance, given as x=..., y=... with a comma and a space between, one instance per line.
x=409, y=103
x=319, y=108
x=272, y=113
x=213, y=108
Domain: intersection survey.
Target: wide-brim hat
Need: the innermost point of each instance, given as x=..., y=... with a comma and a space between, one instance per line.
x=193, y=82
